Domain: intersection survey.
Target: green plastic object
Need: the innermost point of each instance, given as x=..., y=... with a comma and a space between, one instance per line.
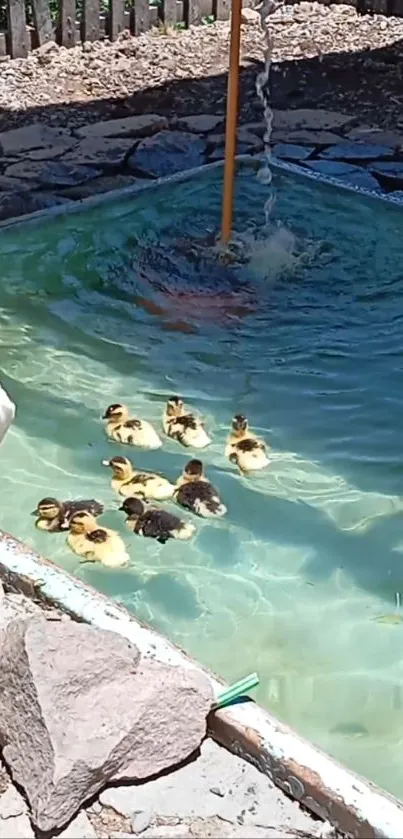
x=236, y=691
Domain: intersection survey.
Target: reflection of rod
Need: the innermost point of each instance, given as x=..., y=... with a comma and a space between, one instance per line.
x=232, y=119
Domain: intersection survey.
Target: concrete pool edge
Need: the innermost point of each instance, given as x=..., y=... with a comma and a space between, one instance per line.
x=252, y=161
x=325, y=787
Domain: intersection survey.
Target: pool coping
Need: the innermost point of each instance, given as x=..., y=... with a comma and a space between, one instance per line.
x=254, y=161
x=326, y=788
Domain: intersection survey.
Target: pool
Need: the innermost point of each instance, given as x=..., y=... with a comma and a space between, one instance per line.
x=97, y=308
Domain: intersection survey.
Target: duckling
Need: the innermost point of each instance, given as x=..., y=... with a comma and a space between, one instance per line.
x=129, y=481
x=184, y=426
x=195, y=492
x=131, y=430
x=96, y=544
x=155, y=524
x=54, y=516
x=244, y=448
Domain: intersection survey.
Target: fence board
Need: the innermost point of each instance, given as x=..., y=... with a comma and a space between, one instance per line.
x=221, y=9
x=91, y=22
x=67, y=31
x=194, y=12
x=42, y=21
x=170, y=12
x=141, y=16
x=116, y=18
x=17, y=29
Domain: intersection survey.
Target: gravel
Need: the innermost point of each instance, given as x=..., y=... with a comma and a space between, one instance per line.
x=324, y=56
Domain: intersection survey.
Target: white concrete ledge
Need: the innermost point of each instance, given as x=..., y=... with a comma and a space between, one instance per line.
x=325, y=787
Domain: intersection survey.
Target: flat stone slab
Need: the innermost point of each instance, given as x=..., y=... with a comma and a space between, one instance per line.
x=79, y=828
x=166, y=153
x=217, y=783
x=18, y=827
x=35, y=136
x=390, y=174
x=346, y=172
x=291, y=151
x=357, y=151
x=54, y=173
x=310, y=118
x=371, y=134
x=306, y=137
x=136, y=126
x=249, y=140
x=199, y=123
x=106, y=152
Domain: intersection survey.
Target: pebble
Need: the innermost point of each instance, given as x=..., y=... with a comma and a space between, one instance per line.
x=141, y=821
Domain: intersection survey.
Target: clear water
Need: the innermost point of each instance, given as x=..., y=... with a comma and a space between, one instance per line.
x=292, y=582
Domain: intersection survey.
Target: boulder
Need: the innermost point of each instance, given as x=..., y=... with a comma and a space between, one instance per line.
x=137, y=126
x=167, y=152
x=78, y=708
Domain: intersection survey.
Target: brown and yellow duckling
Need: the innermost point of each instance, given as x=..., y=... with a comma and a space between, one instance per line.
x=244, y=448
x=195, y=492
x=154, y=523
x=54, y=516
x=130, y=481
x=184, y=426
x=133, y=431
x=96, y=544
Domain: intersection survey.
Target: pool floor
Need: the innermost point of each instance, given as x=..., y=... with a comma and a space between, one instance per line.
x=306, y=340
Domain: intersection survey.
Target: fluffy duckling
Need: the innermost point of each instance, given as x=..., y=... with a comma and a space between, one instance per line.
x=184, y=426
x=54, y=516
x=129, y=481
x=94, y=543
x=195, y=492
x=123, y=428
x=155, y=524
x=244, y=448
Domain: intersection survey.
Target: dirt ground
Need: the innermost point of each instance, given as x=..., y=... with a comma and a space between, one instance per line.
x=324, y=56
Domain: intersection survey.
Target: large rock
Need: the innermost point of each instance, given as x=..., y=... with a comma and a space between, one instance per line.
x=54, y=173
x=167, y=152
x=20, y=203
x=357, y=151
x=79, y=709
x=106, y=152
x=347, y=173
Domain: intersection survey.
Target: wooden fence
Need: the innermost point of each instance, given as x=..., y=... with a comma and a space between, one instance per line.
x=88, y=21
x=71, y=21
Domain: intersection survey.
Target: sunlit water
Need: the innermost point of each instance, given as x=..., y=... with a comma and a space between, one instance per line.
x=292, y=582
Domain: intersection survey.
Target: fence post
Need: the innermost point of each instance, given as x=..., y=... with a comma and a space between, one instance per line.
x=116, y=18
x=42, y=21
x=141, y=16
x=17, y=29
x=90, y=25
x=68, y=23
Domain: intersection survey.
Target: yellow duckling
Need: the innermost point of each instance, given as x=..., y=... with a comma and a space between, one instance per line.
x=244, y=448
x=195, y=492
x=129, y=481
x=123, y=428
x=96, y=544
x=154, y=523
x=54, y=516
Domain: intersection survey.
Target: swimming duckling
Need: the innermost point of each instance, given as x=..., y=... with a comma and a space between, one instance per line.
x=184, y=426
x=54, y=516
x=244, y=448
x=96, y=544
x=155, y=524
x=195, y=492
x=126, y=429
x=129, y=481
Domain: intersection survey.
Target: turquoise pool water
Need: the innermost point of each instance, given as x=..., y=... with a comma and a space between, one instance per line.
x=293, y=581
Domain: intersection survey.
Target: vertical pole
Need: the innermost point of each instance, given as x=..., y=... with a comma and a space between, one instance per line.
x=232, y=120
